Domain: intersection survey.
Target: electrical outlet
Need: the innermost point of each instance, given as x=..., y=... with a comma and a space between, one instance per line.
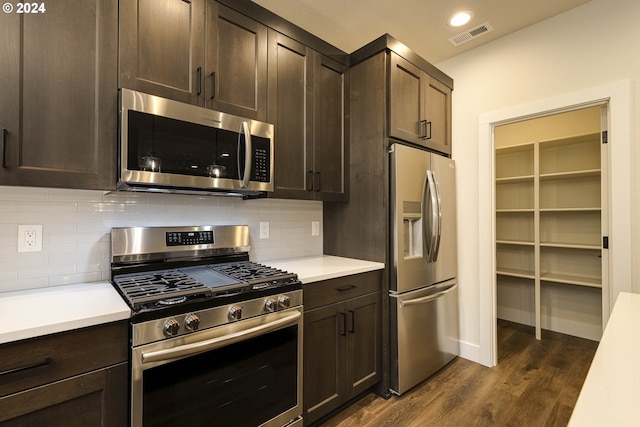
x=29, y=238
x=264, y=230
x=315, y=228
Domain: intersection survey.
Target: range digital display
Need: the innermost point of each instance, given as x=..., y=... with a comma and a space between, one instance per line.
x=186, y=238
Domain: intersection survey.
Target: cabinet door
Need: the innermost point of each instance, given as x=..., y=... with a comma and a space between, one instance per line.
x=324, y=349
x=99, y=398
x=59, y=90
x=407, y=94
x=162, y=48
x=419, y=107
x=364, y=335
x=291, y=111
x=330, y=142
x=10, y=52
x=236, y=63
x=438, y=117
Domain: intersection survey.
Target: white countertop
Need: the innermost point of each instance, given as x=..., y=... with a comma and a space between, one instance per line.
x=36, y=312
x=324, y=267
x=610, y=395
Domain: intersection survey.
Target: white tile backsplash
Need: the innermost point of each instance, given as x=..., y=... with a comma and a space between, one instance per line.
x=76, y=227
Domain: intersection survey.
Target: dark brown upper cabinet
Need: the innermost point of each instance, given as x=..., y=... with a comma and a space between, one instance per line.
x=307, y=104
x=291, y=111
x=419, y=106
x=162, y=48
x=199, y=52
x=236, y=63
x=58, y=114
x=331, y=150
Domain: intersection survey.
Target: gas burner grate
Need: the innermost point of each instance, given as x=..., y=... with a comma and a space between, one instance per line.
x=142, y=288
x=250, y=272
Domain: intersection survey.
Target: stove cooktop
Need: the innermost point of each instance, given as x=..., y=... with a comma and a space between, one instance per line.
x=161, y=288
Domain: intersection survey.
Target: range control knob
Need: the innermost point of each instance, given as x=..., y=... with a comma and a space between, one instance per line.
x=235, y=313
x=284, y=301
x=171, y=327
x=192, y=322
x=270, y=305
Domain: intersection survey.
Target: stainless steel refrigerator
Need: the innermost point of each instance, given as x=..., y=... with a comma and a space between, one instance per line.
x=423, y=288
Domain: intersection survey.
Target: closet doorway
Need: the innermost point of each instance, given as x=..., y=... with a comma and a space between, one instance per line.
x=551, y=221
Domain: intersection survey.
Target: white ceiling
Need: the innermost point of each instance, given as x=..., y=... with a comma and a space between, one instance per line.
x=419, y=24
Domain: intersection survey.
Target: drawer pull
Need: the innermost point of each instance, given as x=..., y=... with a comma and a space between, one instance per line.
x=346, y=288
x=45, y=362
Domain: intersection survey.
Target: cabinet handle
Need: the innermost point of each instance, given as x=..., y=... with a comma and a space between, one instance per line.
x=310, y=181
x=213, y=84
x=317, y=181
x=428, y=130
x=342, y=324
x=423, y=129
x=353, y=322
x=187, y=1
x=199, y=77
x=346, y=288
x=45, y=362
x=5, y=133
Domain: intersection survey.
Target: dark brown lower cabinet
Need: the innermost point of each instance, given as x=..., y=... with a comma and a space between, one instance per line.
x=98, y=398
x=342, y=346
x=76, y=378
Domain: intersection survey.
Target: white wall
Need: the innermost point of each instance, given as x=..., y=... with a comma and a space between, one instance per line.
x=593, y=45
x=76, y=226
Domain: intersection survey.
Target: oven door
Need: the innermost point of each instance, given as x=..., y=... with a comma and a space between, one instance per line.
x=247, y=373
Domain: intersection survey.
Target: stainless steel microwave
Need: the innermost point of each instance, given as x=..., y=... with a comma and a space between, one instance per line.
x=170, y=146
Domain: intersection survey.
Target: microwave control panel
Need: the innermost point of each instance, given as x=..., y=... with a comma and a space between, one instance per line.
x=261, y=171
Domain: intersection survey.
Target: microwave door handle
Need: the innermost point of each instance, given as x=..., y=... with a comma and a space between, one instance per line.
x=244, y=179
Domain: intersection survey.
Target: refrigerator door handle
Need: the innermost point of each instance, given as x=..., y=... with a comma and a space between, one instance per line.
x=423, y=210
x=438, y=209
x=428, y=298
x=429, y=216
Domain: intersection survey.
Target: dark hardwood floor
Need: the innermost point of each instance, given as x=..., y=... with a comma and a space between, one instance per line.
x=536, y=383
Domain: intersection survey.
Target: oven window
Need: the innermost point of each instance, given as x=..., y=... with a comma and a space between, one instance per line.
x=244, y=384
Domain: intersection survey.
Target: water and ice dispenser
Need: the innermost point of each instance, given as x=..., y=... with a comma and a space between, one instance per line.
x=412, y=222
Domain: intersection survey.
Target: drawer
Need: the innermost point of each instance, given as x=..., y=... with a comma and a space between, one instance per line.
x=37, y=361
x=330, y=291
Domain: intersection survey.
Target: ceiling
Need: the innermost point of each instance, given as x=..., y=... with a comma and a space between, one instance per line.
x=419, y=24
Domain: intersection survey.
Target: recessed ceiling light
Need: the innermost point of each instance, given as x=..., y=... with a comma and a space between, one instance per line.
x=460, y=18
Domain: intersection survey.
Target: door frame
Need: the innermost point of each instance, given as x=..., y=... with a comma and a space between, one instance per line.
x=617, y=97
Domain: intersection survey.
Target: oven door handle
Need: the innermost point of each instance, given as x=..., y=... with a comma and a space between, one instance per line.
x=214, y=343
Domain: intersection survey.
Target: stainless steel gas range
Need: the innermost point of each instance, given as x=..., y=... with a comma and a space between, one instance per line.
x=215, y=338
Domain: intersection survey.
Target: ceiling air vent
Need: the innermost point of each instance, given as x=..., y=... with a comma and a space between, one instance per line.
x=470, y=34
